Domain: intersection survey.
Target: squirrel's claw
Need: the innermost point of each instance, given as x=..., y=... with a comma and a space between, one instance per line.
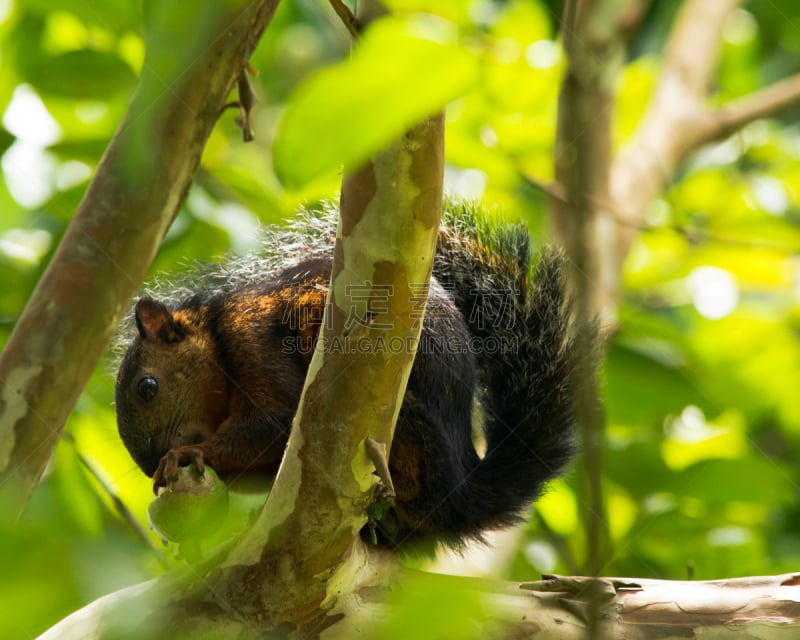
x=376, y=452
x=173, y=460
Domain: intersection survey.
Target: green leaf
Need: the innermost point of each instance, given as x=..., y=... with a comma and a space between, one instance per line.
x=431, y=606
x=639, y=468
x=754, y=480
x=82, y=74
x=643, y=385
x=115, y=15
x=401, y=72
x=84, y=149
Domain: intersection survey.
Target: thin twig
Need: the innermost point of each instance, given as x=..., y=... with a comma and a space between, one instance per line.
x=582, y=164
x=347, y=17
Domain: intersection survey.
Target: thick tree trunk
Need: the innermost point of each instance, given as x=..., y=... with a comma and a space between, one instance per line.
x=390, y=212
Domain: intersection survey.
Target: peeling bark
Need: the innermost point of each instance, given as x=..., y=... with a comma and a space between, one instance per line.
x=304, y=550
x=555, y=608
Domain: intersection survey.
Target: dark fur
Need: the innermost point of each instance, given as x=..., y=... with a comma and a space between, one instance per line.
x=236, y=396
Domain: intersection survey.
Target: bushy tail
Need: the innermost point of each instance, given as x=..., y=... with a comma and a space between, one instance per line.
x=519, y=318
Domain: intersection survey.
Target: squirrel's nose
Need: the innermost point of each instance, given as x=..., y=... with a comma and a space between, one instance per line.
x=147, y=457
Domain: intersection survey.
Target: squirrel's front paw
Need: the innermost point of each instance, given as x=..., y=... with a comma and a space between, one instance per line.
x=173, y=460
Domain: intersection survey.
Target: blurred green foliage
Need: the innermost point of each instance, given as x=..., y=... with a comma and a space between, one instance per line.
x=699, y=381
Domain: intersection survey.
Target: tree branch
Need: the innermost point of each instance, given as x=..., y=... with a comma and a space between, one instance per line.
x=583, y=149
x=678, y=122
x=664, y=138
x=555, y=608
x=631, y=18
x=767, y=102
x=390, y=212
x=670, y=130
x=694, y=44
x=346, y=16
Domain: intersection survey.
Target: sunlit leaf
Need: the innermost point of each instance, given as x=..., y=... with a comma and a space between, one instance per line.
x=430, y=607
x=116, y=15
x=558, y=508
x=692, y=439
x=643, y=390
x=639, y=469
x=402, y=72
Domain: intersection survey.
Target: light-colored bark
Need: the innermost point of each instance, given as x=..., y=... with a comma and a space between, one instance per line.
x=636, y=609
x=390, y=212
x=765, y=607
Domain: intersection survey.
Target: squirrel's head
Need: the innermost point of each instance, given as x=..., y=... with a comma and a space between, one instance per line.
x=171, y=389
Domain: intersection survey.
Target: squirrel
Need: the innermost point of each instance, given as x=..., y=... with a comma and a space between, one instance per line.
x=214, y=375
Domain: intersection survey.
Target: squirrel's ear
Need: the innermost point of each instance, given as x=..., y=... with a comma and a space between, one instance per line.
x=155, y=321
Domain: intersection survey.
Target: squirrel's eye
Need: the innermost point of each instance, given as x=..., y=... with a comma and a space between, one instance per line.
x=147, y=388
